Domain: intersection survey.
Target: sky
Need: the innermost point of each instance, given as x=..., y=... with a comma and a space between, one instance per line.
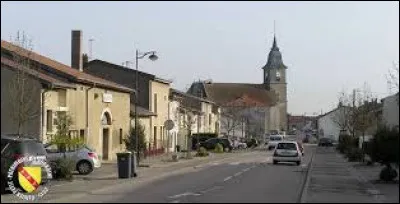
x=327, y=46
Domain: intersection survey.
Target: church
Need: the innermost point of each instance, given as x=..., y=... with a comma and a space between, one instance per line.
x=251, y=110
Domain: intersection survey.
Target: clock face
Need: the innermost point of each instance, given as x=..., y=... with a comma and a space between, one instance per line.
x=278, y=76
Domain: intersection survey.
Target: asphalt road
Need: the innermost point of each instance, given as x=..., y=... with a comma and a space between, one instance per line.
x=251, y=179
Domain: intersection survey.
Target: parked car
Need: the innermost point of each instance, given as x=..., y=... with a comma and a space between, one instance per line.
x=237, y=144
x=201, y=137
x=273, y=141
x=85, y=158
x=287, y=151
x=327, y=142
x=14, y=147
x=252, y=143
x=210, y=144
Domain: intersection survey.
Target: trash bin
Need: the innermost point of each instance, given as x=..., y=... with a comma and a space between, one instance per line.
x=124, y=160
x=178, y=148
x=134, y=164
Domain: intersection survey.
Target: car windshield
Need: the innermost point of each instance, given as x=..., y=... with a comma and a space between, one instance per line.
x=288, y=146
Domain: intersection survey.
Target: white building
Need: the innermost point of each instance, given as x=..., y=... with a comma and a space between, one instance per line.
x=327, y=125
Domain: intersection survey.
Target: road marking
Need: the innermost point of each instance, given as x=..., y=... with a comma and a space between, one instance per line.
x=184, y=194
x=175, y=201
x=211, y=189
x=246, y=169
x=238, y=174
x=235, y=163
x=227, y=178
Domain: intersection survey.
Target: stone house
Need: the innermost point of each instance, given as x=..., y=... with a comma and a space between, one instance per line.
x=99, y=108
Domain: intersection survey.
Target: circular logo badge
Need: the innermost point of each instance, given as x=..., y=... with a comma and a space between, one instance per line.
x=28, y=178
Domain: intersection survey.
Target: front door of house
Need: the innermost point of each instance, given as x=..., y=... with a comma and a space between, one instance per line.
x=105, y=143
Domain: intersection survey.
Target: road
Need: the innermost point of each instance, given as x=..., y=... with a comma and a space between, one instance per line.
x=243, y=179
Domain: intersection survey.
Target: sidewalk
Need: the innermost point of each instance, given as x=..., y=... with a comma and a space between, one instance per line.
x=332, y=179
x=371, y=174
x=101, y=183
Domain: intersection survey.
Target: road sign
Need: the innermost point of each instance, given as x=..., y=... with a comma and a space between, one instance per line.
x=169, y=124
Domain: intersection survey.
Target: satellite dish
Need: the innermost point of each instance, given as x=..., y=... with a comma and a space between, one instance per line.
x=169, y=124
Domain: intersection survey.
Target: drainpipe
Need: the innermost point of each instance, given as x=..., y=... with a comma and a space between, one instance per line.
x=87, y=113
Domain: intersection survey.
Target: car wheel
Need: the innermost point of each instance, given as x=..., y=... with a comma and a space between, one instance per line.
x=298, y=163
x=275, y=162
x=84, y=167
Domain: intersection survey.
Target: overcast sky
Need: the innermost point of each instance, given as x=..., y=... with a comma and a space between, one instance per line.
x=327, y=46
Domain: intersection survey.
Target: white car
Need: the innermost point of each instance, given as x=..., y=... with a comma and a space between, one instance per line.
x=287, y=151
x=273, y=141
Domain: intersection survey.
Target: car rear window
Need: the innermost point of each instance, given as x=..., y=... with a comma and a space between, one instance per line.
x=275, y=138
x=31, y=147
x=289, y=146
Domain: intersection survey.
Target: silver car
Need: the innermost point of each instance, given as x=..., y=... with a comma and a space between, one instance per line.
x=84, y=157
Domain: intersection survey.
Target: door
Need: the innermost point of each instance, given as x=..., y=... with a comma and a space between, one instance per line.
x=105, y=143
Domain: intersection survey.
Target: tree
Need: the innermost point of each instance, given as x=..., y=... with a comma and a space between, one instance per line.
x=232, y=117
x=393, y=78
x=62, y=138
x=22, y=89
x=130, y=140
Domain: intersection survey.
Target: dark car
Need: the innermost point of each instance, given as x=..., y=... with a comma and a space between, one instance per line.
x=210, y=144
x=251, y=143
x=201, y=137
x=14, y=147
x=325, y=142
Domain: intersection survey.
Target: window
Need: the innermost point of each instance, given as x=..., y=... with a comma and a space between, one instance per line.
x=288, y=146
x=82, y=134
x=49, y=120
x=62, y=98
x=209, y=119
x=155, y=103
x=120, y=136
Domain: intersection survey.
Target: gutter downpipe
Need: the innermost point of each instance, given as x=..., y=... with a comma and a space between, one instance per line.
x=87, y=113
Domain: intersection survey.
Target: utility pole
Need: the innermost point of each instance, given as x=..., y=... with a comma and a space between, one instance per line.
x=353, y=113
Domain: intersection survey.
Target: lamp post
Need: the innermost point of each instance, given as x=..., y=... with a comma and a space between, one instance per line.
x=152, y=57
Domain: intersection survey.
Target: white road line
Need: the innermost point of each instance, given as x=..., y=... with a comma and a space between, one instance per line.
x=183, y=195
x=227, y=178
x=235, y=163
x=238, y=174
x=175, y=201
x=246, y=169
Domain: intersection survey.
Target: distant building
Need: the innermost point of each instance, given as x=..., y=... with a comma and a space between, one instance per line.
x=390, y=112
x=265, y=103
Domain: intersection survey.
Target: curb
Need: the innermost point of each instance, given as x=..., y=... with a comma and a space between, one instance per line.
x=303, y=195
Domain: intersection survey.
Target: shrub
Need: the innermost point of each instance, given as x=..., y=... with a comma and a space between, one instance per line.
x=354, y=154
x=130, y=140
x=384, y=149
x=202, y=152
x=387, y=174
x=63, y=169
x=219, y=148
x=346, y=143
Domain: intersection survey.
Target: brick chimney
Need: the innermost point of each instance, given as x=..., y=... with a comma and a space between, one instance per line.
x=76, y=50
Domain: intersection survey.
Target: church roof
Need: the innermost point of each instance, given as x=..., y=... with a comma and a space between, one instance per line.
x=250, y=94
x=274, y=58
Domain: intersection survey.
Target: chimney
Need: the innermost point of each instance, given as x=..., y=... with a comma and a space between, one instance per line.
x=76, y=50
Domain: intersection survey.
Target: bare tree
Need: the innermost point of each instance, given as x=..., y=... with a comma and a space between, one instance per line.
x=232, y=118
x=343, y=115
x=21, y=87
x=393, y=78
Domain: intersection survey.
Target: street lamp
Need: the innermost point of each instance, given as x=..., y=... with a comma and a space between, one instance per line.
x=152, y=57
